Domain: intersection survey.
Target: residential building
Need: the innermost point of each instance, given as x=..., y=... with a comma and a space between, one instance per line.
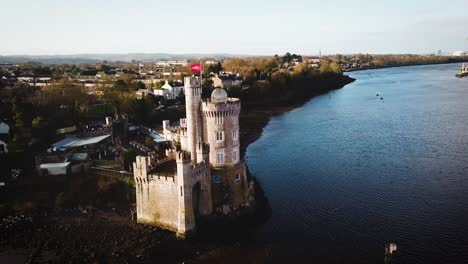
x=227, y=81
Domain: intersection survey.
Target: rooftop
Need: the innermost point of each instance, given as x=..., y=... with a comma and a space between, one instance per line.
x=78, y=142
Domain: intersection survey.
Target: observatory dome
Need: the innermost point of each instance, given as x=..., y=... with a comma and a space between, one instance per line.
x=219, y=96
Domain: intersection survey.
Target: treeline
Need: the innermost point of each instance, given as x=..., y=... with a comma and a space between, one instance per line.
x=403, y=60
x=270, y=81
x=368, y=61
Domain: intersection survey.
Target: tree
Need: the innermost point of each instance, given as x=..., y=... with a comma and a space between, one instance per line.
x=120, y=85
x=215, y=68
x=207, y=83
x=335, y=68
x=287, y=58
x=38, y=122
x=159, y=84
x=327, y=67
x=140, y=85
x=19, y=133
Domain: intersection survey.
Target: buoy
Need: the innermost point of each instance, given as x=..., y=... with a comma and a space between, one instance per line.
x=377, y=95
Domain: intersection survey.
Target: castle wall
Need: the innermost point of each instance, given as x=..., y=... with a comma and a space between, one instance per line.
x=156, y=196
x=156, y=200
x=166, y=199
x=227, y=189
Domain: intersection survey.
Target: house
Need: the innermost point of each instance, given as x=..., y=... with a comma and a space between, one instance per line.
x=35, y=81
x=142, y=93
x=227, y=81
x=168, y=63
x=71, y=155
x=8, y=79
x=74, y=163
x=170, y=91
x=4, y=131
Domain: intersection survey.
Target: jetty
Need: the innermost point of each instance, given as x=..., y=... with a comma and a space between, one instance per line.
x=463, y=71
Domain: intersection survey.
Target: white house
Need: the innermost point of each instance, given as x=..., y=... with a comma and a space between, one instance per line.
x=169, y=91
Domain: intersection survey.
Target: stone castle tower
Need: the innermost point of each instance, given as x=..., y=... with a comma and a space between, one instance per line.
x=204, y=174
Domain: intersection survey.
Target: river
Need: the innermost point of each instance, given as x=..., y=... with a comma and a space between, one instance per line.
x=351, y=171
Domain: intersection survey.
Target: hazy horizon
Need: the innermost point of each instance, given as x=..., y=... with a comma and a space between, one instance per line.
x=54, y=27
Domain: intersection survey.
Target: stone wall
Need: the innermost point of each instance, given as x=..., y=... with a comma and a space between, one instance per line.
x=157, y=202
x=229, y=191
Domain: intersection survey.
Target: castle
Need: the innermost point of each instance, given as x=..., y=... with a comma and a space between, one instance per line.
x=202, y=171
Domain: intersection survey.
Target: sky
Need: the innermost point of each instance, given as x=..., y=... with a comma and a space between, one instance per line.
x=249, y=27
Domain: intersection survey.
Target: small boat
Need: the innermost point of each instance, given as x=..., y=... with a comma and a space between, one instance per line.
x=463, y=71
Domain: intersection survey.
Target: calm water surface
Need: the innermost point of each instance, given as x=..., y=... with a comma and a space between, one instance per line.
x=348, y=172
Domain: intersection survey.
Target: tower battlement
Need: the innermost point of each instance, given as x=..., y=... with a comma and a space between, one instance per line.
x=192, y=81
x=183, y=157
x=229, y=108
x=203, y=148
x=192, y=86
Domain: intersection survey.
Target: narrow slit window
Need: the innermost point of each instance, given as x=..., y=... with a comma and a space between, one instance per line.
x=220, y=157
x=237, y=177
x=235, y=135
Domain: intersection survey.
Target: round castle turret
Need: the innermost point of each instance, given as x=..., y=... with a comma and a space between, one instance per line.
x=221, y=128
x=193, y=90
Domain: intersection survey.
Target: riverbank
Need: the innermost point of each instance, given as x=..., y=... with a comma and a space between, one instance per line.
x=406, y=65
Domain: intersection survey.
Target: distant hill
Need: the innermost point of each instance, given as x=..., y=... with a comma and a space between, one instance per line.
x=98, y=58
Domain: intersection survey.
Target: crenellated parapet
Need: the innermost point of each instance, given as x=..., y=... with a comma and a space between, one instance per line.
x=203, y=148
x=141, y=168
x=230, y=108
x=171, y=153
x=162, y=179
x=144, y=175
x=200, y=173
x=192, y=86
x=183, y=157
